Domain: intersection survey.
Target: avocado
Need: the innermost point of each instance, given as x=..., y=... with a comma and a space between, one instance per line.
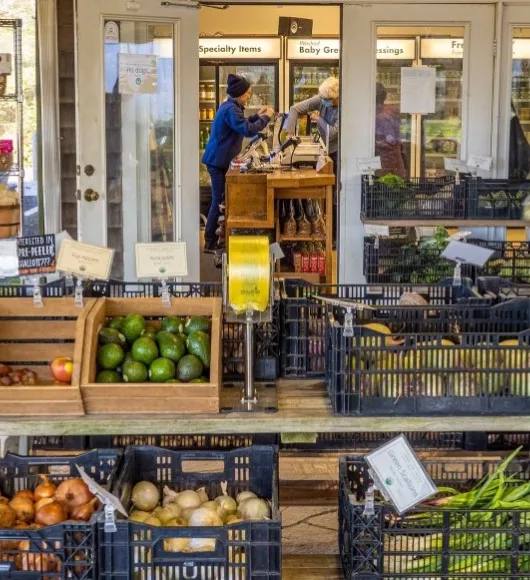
x=189, y=367
x=111, y=335
x=195, y=323
x=198, y=343
x=165, y=336
x=199, y=380
x=173, y=324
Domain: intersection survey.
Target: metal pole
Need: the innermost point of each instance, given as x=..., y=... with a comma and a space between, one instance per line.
x=249, y=394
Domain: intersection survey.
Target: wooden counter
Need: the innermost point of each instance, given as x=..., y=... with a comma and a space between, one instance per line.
x=253, y=202
x=303, y=406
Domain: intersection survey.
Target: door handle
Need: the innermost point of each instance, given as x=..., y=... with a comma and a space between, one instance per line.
x=91, y=195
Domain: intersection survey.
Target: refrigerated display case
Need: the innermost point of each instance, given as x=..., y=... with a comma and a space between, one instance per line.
x=520, y=101
x=207, y=107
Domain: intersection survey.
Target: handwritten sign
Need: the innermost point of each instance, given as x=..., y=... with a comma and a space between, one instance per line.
x=162, y=260
x=8, y=258
x=376, y=230
x=368, y=164
x=467, y=253
x=138, y=74
x=479, y=162
x=455, y=165
x=92, y=262
x=36, y=255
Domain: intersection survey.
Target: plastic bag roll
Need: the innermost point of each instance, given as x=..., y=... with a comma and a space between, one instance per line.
x=248, y=273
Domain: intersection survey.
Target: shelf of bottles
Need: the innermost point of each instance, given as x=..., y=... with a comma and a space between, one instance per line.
x=207, y=108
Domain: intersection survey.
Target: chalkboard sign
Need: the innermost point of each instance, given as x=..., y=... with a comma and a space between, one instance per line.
x=36, y=255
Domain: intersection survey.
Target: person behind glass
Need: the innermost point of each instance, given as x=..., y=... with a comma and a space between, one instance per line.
x=388, y=144
x=226, y=138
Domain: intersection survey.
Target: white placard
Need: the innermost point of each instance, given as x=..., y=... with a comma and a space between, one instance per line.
x=418, y=90
x=396, y=49
x=400, y=475
x=442, y=48
x=112, y=33
x=521, y=48
x=376, y=230
x=467, y=253
x=228, y=48
x=479, y=162
x=455, y=165
x=8, y=258
x=85, y=260
x=102, y=494
x=368, y=164
x=138, y=74
x=161, y=260
x=313, y=48
x=5, y=64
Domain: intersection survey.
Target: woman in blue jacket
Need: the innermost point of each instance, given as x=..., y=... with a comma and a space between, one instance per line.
x=226, y=138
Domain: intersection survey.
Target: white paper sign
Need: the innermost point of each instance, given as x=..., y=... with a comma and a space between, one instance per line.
x=455, y=165
x=138, y=74
x=467, y=253
x=161, y=260
x=418, y=90
x=5, y=64
x=400, y=475
x=313, y=48
x=227, y=48
x=479, y=162
x=376, y=230
x=112, y=33
x=8, y=258
x=368, y=164
x=78, y=259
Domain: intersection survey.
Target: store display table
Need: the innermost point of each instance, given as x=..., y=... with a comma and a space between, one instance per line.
x=303, y=406
x=311, y=567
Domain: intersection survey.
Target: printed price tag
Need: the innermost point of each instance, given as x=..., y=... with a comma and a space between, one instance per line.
x=466, y=253
x=368, y=164
x=455, y=165
x=399, y=475
x=479, y=162
x=376, y=230
x=162, y=260
x=36, y=255
x=8, y=258
x=84, y=260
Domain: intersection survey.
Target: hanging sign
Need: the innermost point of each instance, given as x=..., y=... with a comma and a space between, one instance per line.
x=84, y=260
x=36, y=255
x=5, y=64
x=228, y=48
x=162, y=260
x=8, y=258
x=112, y=33
x=418, y=90
x=467, y=253
x=138, y=74
x=399, y=475
x=396, y=49
x=313, y=48
x=455, y=165
x=442, y=48
x=521, y=48
x=368, y=164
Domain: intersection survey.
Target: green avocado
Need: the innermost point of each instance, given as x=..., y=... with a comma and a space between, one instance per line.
x=198, y=343
x=189, y=367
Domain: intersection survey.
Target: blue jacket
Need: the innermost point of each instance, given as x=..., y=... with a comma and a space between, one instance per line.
x=228, y=130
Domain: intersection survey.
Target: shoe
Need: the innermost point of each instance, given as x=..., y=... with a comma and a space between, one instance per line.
x=210, y=247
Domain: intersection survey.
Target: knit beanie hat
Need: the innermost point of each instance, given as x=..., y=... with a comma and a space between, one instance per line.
x=237, y=86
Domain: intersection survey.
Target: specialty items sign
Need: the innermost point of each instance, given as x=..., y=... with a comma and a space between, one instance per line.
x=36, y=255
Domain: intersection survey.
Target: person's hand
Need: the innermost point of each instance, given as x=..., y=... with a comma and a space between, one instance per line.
x=315, y=116
x=269, y=111
x=262, y=111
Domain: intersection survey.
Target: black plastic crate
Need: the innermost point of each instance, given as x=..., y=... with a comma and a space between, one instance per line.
x=67, y=550
x=496, y=198
x=56, y=289
x=385, y=546
x=52, y=443
x=510, y=261
x=242, y=551
x=494, y=441
x=416, y=198
x=415, y=373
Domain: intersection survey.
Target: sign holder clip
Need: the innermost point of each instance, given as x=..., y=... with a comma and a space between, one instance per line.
x=166, y=296
x=37, y=294
x=78, y=295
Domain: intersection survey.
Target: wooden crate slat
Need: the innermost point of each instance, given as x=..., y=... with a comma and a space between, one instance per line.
x=33, y=329
x=35, y=351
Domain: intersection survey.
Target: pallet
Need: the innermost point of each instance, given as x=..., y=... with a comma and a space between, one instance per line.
x=32, y=337
x=140, y=398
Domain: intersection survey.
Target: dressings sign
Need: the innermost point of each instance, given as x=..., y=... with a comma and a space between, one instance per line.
x=329, y=48
x=36, y=255
x=232, y=48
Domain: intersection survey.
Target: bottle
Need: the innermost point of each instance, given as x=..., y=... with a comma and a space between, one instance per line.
x=211, y=114
x=211, y=93
x=202, y=93
x=207, y=137
x=203, y=114
x=201, y=139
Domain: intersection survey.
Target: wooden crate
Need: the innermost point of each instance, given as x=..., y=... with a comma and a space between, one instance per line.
x=140, y=398
x=32, y=337
x=249, y=201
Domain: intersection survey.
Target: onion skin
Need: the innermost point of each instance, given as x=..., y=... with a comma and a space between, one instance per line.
x=72, y=493
x=44, y=490
x=8, y=516
x=24, y=508
x=245, y=495
x=145, y=496
x=26, y=493
x=84, y=512
x=51, y=514
x=44, y=501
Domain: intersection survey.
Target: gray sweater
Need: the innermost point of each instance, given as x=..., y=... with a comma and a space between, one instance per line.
x=329, y=117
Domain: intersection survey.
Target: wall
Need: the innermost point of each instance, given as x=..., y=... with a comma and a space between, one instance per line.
x=263, y=20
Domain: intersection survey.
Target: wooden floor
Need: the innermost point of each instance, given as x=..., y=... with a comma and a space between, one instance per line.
x=303, y=406
x=311, y=567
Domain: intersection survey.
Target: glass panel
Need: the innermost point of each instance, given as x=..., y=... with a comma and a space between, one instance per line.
x=519, y=156
x=414, y=144
x=207, y=108
x=140, y=112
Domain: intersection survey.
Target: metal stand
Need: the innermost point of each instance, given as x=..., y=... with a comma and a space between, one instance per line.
x=249, y=393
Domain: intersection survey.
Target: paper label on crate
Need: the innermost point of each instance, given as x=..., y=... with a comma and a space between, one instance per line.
x=376, y=230
x=479, y=162
x=101, y=493
x=368, y=164
x=87, y=261
x=161, y=260
x=8, y=258
x=36, y=255
x=455, y=165
x=5, y=64
x=399, y=474
x=466, y=253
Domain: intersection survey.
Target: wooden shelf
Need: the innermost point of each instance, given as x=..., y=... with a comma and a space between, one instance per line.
x=302, y=239
x=303, y=406
x=406, y=223
x=310, y=277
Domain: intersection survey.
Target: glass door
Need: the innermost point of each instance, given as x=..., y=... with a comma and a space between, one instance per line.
x=130, y=109
x=207, y=108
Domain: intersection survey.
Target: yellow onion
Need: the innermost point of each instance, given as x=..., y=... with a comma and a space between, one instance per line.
x=245, y=495
x=203, y=495
x=139, y=516
x=228, y=504
x=175, y=509
x=177, y=545
x=145, y=496
x=204, y=517
x=254, y=509
x=188, y=499
x=24, y=508
x=45, y=489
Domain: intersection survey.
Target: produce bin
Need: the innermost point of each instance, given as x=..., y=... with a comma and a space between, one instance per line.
x=141, y=398
x=31, y=338
x=445, y=544
x=56, y=289
x=243, y=551
x=267, y=334
x=67, y=550
x=457, y=360
x=417, y=198
x=496, y=198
